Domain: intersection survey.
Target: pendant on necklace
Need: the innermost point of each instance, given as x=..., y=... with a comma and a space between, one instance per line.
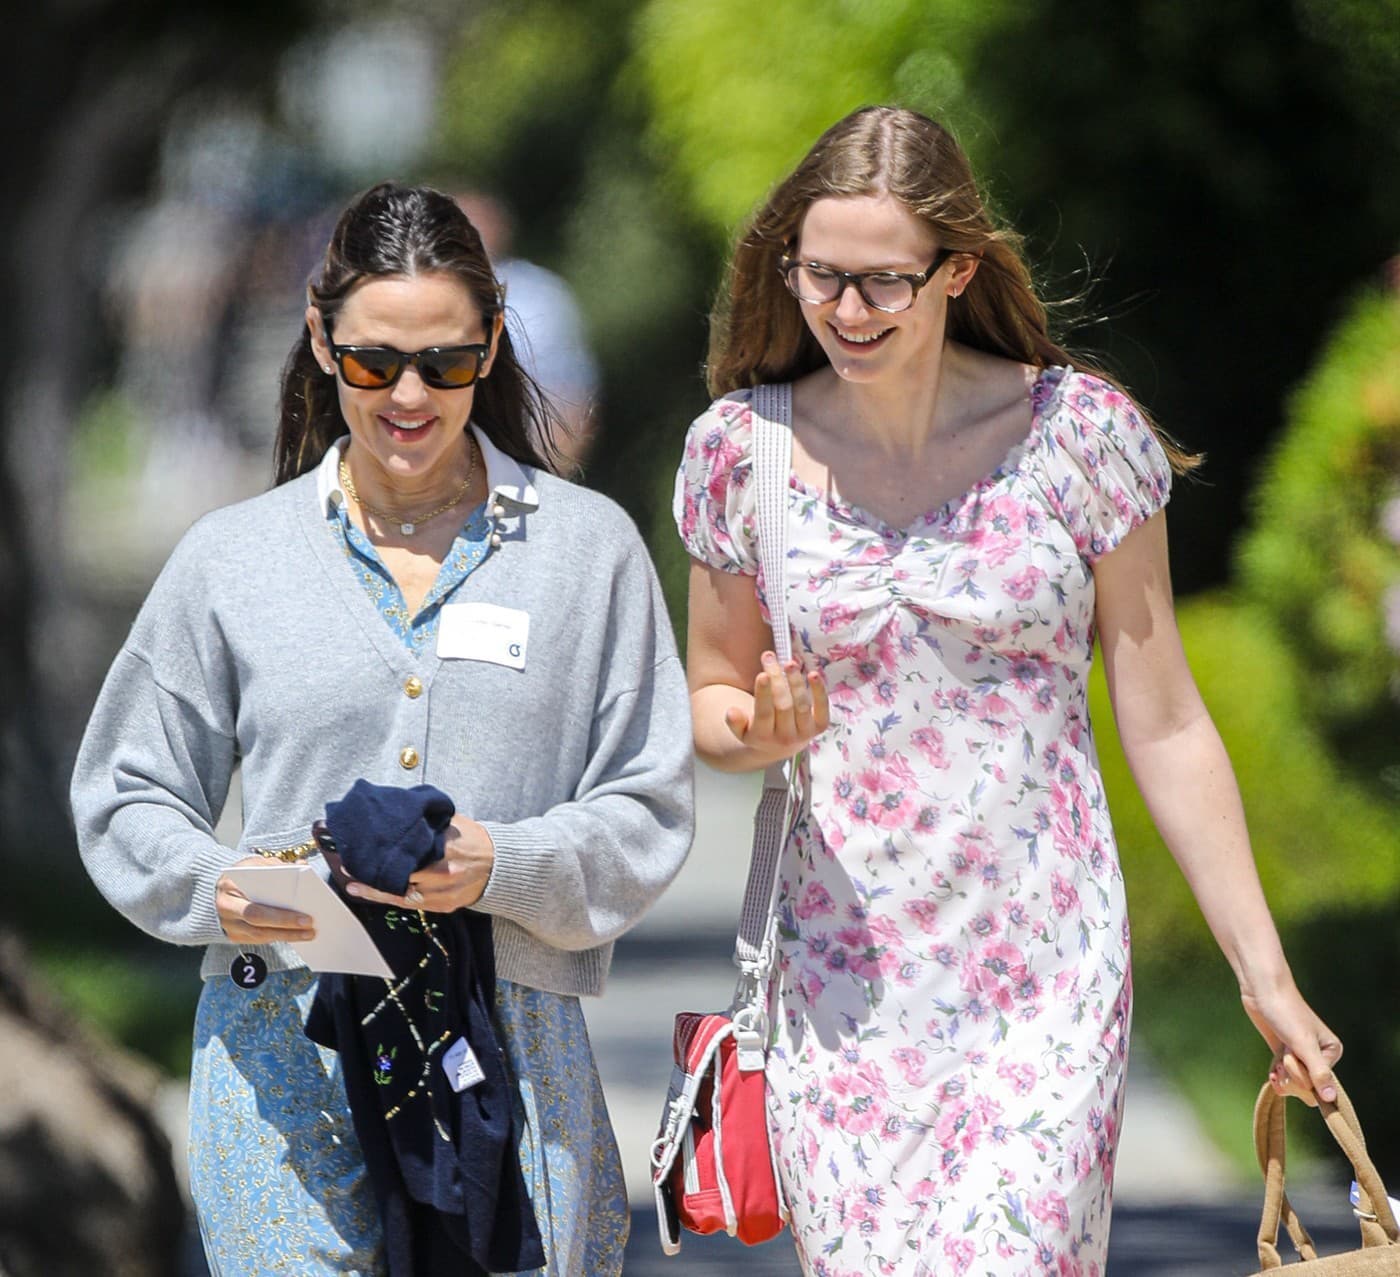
x=407, y=529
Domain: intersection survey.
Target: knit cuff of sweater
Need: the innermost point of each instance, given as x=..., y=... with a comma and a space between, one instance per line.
x=209, y=862
x=518, y=884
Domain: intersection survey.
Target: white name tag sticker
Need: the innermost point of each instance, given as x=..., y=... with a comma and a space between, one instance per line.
x=484, y=632
x=460, y=1064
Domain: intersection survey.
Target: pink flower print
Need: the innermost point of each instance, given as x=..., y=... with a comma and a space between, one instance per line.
x=924, y=913
x=1052, y=1210
x=995, y=974
x=983, y=1123
x=885, y=929
x=969, y=852
x=953, y=1088
x=1020, y=1077
x=1071, y=823
x=811, y=986
x=952, y=1117
x=1022, y=585
x=999, y=536
x=816, y=902
x=886, y=647
x=958, y=699
x=835, y=616
x=922, y=1193
x=721, y=453
x=1030, y=673
x=929, y=742
x=985, y=925
x=1063, y=895
x=1016, y=915
x=960, y=1252
x=997, y=714
x=926, y=821
x=862, y=953
x=846, y=701
x=690, y=518
x=885, y=803
x=912, y=1064
x=906, y=972
x=863, y=1091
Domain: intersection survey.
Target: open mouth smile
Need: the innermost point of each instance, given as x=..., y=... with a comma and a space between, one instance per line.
x=860, y=341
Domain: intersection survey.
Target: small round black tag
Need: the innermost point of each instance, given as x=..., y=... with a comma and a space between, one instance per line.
x=248, y=971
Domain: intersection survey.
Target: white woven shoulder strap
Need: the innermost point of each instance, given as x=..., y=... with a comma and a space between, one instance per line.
x=772, y=470
x=754, y=949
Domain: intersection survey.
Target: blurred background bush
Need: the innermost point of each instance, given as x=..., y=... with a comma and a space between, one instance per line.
x=1210, y=194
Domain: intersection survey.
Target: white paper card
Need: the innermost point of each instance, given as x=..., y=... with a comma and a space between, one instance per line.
x=460, y=1064
x=341, y=943
x=484, y=632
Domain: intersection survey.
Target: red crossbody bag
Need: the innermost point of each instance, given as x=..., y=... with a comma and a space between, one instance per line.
x=712, y=1161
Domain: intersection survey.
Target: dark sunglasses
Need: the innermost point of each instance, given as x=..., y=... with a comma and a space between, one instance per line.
x=377, y=367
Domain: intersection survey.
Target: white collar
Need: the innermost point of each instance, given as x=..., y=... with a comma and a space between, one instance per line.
x=506, y=480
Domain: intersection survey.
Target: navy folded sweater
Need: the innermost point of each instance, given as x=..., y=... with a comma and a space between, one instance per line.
x=444, y=1163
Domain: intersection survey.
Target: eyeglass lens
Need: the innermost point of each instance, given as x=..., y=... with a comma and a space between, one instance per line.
x=884, y=291
x=372, y=368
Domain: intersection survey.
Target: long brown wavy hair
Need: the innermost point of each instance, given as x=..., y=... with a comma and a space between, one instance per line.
x=757, y=333
x=405, y=231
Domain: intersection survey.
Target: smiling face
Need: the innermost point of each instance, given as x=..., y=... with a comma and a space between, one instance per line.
x=408, y=436
x=872, y=233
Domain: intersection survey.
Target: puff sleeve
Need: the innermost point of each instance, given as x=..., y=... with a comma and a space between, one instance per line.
x=715, y=502
x=1106, y=469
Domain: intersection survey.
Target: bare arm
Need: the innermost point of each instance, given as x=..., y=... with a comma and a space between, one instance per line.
x=1181, y=768
x=748, y=710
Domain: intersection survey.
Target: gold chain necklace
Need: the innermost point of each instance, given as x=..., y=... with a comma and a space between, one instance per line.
x=406, y=525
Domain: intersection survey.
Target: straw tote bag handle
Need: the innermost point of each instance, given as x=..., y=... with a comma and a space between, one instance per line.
x=1380, y=1240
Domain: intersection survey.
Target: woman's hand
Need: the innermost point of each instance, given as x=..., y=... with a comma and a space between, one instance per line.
x=789, y=709
x=1304, y=1048
x=247, y=923
x=454, y=882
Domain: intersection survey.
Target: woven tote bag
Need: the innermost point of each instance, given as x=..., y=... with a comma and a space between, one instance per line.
x=1380, y=1243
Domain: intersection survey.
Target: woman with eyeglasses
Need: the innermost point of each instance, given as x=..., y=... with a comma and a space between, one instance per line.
x=418, y=602
x=968, y=509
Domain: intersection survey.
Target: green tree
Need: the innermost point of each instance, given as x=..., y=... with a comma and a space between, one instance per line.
x=1323, y=559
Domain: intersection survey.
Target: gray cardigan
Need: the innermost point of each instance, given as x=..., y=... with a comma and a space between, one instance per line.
x=258, y=647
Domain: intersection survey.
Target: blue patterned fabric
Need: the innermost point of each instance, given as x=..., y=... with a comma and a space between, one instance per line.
x=250, y=1165
x=466, y=554
x=276, y=1173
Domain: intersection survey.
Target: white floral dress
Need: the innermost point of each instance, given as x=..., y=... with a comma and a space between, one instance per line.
x=953, y=996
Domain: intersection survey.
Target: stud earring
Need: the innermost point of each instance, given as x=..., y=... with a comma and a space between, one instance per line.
x=327, y=368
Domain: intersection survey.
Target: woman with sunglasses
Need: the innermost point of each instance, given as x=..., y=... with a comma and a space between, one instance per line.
x=966, y=512
x=419, y=601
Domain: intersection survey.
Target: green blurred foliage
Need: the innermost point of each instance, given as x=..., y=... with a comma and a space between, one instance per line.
x=739, y=91
x=543, y=107
x=1329, y=859
x=1319, y=558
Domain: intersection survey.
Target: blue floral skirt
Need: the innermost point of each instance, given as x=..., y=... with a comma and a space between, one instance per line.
x=276, y=1173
